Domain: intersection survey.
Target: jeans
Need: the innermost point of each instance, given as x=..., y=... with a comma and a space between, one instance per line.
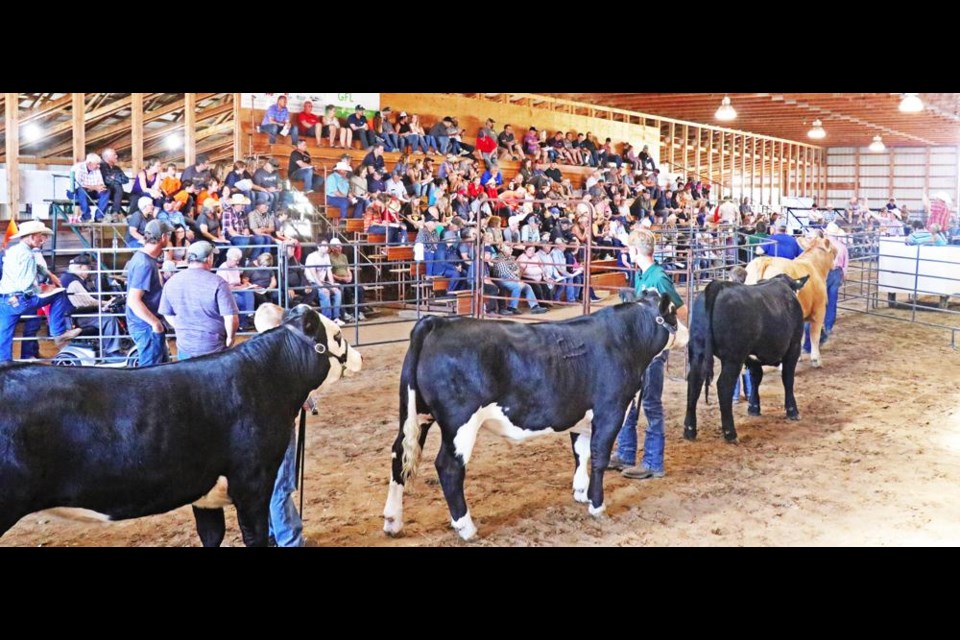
x=413, y=141
x=429, y=262
x=269, y=197
x=286, y=527
x=365, y=136
x=653, y=410
x=747, y=386
x=152, y=347
x=273, y=130
x=28, y=305
x=565, y=284
x=102, y=198
x=391, y=141
x=110, y=330
x=116, y=195
x=305, y=174
x=326, y=295
x=246, y=305
x=343, y=204
x=834, y=280
x=516, y=288
x=443, y=143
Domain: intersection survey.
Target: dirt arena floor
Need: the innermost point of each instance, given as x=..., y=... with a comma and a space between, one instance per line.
x=875, y=460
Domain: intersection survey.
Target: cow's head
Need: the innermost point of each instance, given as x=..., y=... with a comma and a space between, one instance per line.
x=679, y=336
x=325, y=336
x=795, y=284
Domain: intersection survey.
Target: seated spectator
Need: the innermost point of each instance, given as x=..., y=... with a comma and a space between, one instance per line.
x=506, y=274
x=388, y=132
x=507, y=144
x=440, y=133
x=428, y=237
x=555, y=270
x=301, y=167
x=353, y=293
x=487, y=145
x=137, y=223
x=375, y=159
x=608, y=155
x=169, y=182
x=338, y=192
x=493, y=173
x=90, y=187
x=113, y=178
x=375, y=183
x=572, y=144
x=531, y=145
x=208, y=222
x=185, y=200
x=554, y=172
x=531, y=271
x=197, y=173
x=357, y=123
x=646, y=160
x=308, y=123
x=530, y=233
x=560, y=153
x=79, y=288
x=426, y=142
x=266, y=184
x=234, y=221
x=921, y=236
x=319, y=271
x=410, y=141
x=263, y=228
x=333, y=129
x=239, y=282
x=296, y=283
x=276, y=122
x=176, y=251
x=588, y=148
x=264, y=278
x=175, y=218
x=240, y=180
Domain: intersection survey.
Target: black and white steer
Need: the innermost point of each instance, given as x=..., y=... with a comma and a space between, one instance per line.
x=126, y=443
x=519, y=381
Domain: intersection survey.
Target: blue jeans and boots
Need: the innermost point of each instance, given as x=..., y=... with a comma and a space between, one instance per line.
x=747, y=386
x=305, y=174
x=651, y=465
x=273, y=130
x=834, y=280
x=12, y=306
x=84, y=197
x=286, y=527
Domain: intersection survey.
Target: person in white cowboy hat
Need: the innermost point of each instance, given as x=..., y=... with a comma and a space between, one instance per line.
x=234, y=223
x=338, y=192
x=19, y=293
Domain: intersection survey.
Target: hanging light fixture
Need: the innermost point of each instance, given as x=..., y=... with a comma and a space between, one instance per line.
x=911, y=103
x=725, y=112
x=174, y=141
x=817, y=132
x=877, y=145
x=31, y=132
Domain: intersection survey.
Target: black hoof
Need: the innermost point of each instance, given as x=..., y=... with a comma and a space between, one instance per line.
x=753, y=410
x=793, y=415
x=689, y=434
x=730, y=437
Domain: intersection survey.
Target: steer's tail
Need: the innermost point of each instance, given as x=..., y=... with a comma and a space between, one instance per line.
x=701, y=334
x=409, y=444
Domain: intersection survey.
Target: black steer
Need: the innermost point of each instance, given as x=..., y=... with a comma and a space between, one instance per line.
x=755, y=325
x=522, y=380
x=126, y=443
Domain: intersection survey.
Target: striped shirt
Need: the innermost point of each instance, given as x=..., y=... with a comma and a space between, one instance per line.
x=939, y=215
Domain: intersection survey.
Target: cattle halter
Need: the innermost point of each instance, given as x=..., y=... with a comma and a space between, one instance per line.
x=670, y=329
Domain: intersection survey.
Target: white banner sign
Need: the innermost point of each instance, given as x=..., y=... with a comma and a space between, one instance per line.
x=345, y=102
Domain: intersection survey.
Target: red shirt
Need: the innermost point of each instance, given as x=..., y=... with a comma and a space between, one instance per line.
x=307, y=120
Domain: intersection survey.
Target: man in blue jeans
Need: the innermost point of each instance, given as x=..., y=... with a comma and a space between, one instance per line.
x=641, y=245
x=834, y=281
x=338, y=192
x=144, y=288
x=19, y=294
x=286, y=527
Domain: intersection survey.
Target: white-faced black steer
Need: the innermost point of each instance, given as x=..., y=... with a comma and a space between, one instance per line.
x=759, y=324
x=521, y=380
x=125, y=443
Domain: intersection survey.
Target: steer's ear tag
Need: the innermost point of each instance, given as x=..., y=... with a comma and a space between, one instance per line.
x=319, y=348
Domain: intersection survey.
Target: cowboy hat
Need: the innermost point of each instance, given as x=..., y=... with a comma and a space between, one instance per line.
x=342, y=166
x=32, y=227
x=239, y=198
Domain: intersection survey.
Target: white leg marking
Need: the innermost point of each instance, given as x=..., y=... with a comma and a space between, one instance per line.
x=216, y=498
x=581, y=479
x=74, y=513
x=393, y=511
x=596, y=513
x=466, y=436
x=465, y=527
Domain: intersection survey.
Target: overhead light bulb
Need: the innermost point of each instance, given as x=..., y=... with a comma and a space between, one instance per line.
x=725, y=112
x=877, y=145
x=817, y=132
x=911, y=103
x=31, y=132
x=174, y=141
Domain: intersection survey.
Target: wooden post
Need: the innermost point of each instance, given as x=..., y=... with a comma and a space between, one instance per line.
x=723, y=151
x=237, y=141
x=743, y=163
x=136, y=132
x=699, y=143
x=926, y=172
x=710, y=158
x=686, y=147
x=672, y=131
x=189, y=129
x=12, y=117
x=79, y=133
x=753, y=170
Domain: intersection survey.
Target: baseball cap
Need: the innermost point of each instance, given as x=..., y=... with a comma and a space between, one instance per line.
x=155, y=229
x=199, y=251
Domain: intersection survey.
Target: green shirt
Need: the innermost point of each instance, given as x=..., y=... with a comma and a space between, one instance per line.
x=656, y=278
x=340, y=264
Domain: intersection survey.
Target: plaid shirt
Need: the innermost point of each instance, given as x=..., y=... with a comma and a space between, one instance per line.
x=235, y=222
x=939, y=215
x=86, y=178
x=506, y=267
